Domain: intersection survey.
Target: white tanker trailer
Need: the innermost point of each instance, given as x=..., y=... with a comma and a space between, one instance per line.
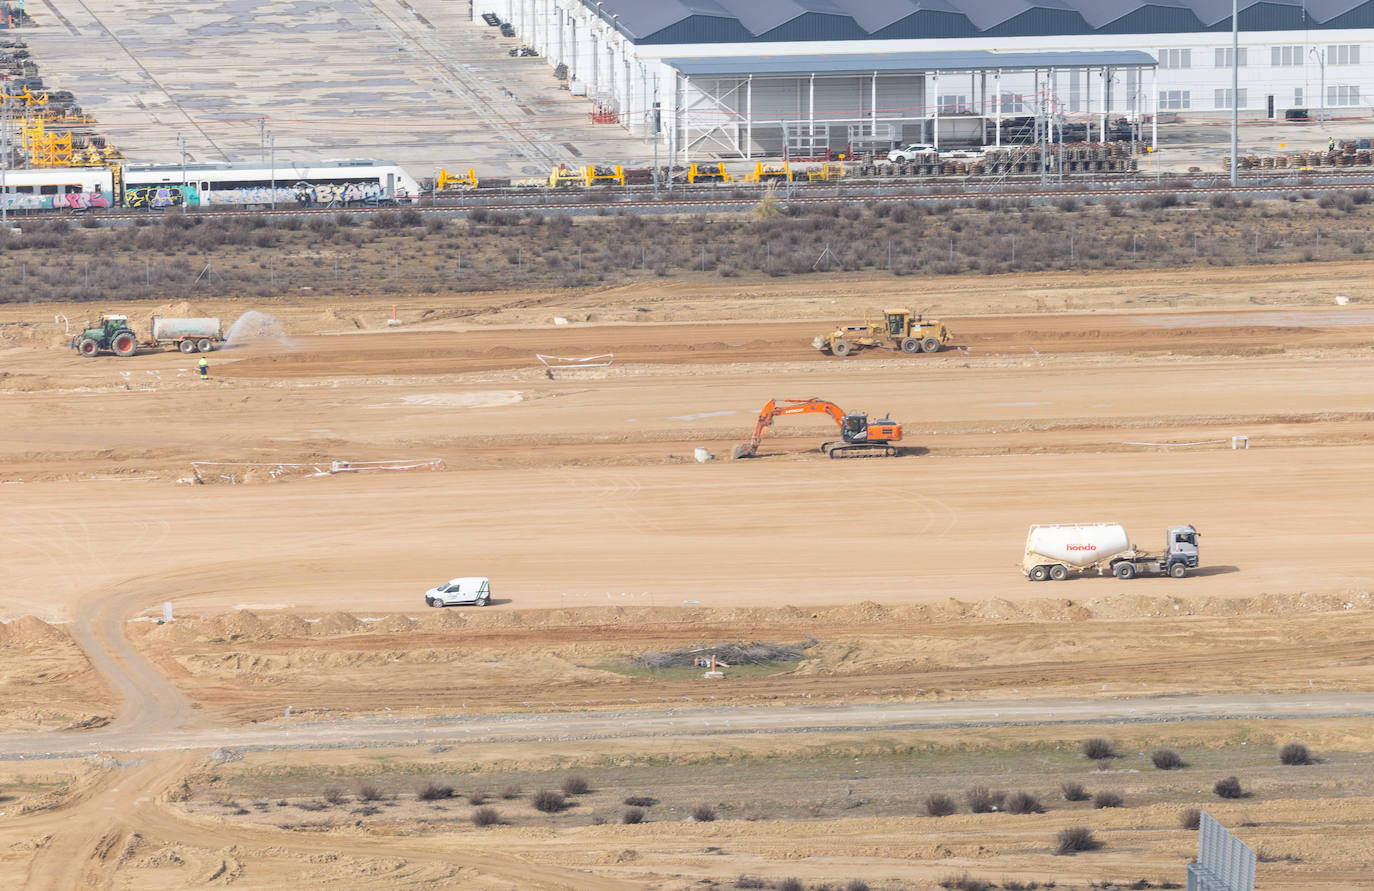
x=1055, y=551
x=187, y=335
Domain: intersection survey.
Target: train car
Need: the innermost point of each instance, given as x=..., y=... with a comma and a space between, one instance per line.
x=59, y=188
x=345, y=183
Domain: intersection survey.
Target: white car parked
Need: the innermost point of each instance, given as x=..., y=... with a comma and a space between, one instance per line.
x=469, y=589
x=908, y=152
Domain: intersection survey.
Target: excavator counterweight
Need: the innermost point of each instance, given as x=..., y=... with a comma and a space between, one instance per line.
x=859, y=437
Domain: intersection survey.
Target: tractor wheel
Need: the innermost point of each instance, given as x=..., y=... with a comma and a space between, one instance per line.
x=1059, y=572
x=930, y=344
x=911, y=345
x=1178, y=571
x=187, y=346
x=841, y=348
x=1124, y=570
x=205, y=345
x=1039, y=573
x=88, y=347
x=124, y=343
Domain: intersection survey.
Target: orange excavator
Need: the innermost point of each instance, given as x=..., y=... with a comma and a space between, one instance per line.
x=858, y=437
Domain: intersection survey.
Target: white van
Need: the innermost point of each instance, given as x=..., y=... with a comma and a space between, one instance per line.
x=469, y=589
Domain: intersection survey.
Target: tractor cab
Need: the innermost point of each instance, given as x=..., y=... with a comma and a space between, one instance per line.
x=897, y=322
x=111, y=324
x=111, y=335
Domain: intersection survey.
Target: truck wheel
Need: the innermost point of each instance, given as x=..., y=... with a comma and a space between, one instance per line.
x=1039, y=573
x=841, y=348
x=187, y=346
x=1059, y=572
x=911, y=345
x=1124, y=570
x=1178, y=571
x=124, y=343
x=87, y=347
x=205, y=345
x=930, y=344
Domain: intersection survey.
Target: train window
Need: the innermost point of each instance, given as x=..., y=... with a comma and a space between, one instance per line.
x=72, y=190
x=48, y=190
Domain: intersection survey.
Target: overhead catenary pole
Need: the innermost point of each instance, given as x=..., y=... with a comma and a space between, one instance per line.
x=181, y=143
x=272, y=141
x=4, y=153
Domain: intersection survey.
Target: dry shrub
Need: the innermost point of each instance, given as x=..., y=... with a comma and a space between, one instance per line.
x=641, y=801
x=703, y=813
x=791, y=885
x=982, y=800
x=511, y=792
x=369, y=792
x=1097, y=748
x=1107, y=798
x=966, y=882
x=434, y=792
x=575, y=785
x=1074, y=839
x=1229, y=788
x=856, y=885
x=548, y=801
x=1166, y=759
x=1295, y=753
x=1190, y=818
x=632, y=815
x=485, y=816
x=1022, y=803
x=1073, y=791
x=477, y=797
x=939, y=804
x=334, y=795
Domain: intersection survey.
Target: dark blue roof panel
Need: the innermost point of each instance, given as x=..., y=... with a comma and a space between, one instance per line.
x=742, y=21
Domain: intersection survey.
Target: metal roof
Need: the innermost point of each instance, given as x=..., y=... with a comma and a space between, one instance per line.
x=733, y=21
x=888, y=63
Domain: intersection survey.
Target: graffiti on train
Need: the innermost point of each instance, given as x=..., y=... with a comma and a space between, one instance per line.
x=304, y=194
x=154, y=196
x=74, y=201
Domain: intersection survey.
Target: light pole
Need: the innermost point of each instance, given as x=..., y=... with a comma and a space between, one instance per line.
x=272, y=144
x=1235, y=95
x=181, y=143
x=1320, y=56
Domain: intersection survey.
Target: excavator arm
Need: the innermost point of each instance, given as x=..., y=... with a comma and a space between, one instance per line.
x=776, y=407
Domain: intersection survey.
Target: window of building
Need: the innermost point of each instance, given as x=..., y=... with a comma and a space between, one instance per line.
x=1286, y=56
x=1175, y=58
x=1343, y=54
x=1223, y=99
x=1342, y=95
x=1297, y=97
x=953, y=104
x=1174, y=100
x=1012, y=105
x=1223, y=57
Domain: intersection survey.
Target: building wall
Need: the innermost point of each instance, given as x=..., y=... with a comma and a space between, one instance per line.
x=1320, y=69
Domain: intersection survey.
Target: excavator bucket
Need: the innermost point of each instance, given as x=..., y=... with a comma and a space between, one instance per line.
x=744, y=450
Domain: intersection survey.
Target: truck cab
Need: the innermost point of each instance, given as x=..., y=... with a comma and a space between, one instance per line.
x=1182, y=546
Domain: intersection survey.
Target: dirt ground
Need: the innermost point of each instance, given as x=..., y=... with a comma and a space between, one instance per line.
x=301, y=653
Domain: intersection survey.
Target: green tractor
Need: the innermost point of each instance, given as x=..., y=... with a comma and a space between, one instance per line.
x=112, y=336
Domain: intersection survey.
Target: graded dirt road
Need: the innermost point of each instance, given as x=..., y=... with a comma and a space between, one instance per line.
x=578, y=493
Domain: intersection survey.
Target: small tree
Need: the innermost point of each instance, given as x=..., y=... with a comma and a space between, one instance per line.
x=1229, y=788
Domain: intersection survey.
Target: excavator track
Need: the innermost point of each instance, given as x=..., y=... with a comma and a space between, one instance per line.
x=839, y=449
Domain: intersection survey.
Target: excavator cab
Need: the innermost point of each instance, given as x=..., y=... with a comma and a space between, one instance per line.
x=854, y=428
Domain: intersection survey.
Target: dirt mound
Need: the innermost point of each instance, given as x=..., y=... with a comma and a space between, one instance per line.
x=335, y=316
x=31, y=334
x=28, y=631
x=337, y=623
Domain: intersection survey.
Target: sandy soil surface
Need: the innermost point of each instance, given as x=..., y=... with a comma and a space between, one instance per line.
x=300, y=622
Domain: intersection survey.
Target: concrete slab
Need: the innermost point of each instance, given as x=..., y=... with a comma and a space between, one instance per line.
x=409, y=80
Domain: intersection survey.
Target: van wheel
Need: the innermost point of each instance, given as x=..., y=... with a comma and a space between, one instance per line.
x=1059, y=572
x=1124, y=570
x=432, y=602
x=484, y=601
x=1039, y=573
x=1178, y=571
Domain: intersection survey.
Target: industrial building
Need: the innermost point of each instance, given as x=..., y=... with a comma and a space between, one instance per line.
x=741, y=78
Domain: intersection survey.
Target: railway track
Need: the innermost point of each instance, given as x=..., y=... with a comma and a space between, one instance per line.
x=684, y=201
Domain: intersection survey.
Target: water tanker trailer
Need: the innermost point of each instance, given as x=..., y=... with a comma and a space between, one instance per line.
x=187, y=335
x=1058, y=550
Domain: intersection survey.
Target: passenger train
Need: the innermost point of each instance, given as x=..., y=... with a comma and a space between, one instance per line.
x=349, y=183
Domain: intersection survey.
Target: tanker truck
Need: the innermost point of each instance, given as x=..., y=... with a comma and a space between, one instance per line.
x=1055, y=551
x=187, y=335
